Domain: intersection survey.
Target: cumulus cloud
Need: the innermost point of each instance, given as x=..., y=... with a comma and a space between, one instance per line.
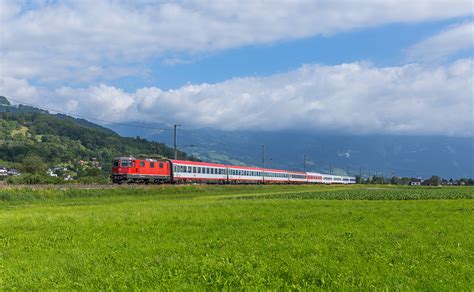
x=354, y=98
x=50, y=40
x=449, y=42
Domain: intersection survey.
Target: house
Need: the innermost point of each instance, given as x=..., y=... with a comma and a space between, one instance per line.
x=3, y=171
x=51, y=173
x=13, y=172
x=415, y=182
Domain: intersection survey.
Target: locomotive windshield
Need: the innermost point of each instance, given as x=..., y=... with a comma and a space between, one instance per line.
x=126, y=163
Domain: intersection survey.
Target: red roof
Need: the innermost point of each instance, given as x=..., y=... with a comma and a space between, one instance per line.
x=296, y=172
x=255, y=168
x=245, y=167
x=187, y=162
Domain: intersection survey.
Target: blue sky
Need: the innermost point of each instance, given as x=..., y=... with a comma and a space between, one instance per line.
x=367, y=67
x=383, y=46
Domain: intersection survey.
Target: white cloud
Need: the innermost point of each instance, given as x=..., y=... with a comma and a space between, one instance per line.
x=353, y=98
x=18, y=88
x=51, y=41
x=451, y=41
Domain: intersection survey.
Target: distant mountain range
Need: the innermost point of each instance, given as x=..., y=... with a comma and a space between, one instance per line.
x=414, y=156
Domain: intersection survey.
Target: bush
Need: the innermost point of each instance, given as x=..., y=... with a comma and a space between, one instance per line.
x=35, y=179
x=33, y=164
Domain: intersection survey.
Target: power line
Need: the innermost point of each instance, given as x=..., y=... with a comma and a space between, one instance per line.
x=87, y=117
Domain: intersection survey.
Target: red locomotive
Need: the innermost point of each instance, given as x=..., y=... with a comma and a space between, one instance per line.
x=134, y=170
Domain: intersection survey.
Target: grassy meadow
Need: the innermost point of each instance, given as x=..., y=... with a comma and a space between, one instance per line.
x=250, y=237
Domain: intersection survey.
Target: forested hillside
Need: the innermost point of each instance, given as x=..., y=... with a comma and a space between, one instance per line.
x=60, y=139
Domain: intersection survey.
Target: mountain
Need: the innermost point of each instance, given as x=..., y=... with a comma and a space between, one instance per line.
x=414, y=156
x=58, y=138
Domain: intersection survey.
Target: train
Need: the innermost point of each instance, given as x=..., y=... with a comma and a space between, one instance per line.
x=143, y=170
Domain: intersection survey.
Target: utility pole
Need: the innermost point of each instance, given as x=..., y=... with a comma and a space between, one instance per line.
x=263, y=163
x=304, y=162
x=175, y=142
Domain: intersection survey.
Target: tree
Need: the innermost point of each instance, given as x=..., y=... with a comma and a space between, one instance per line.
x=435, y=180
x=394, y=180
x=33, y=164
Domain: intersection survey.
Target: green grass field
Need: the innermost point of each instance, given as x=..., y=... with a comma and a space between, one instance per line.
x=254, y=237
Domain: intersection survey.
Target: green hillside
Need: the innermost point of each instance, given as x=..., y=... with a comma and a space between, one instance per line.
x=59, y=139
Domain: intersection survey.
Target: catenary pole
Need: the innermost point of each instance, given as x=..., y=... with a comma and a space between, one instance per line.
x=175, y=141
x=263, y=163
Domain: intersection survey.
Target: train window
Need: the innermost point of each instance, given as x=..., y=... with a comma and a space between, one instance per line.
x=194, y=169
x=116, y=163
x=152, y=165
x=142, y=163
x=126, y=163
x=161, y=165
